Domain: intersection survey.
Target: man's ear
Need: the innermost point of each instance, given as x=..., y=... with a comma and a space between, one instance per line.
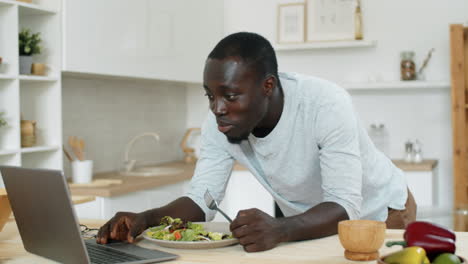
x=269, y=84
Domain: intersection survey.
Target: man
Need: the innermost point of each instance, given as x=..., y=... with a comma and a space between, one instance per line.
x=301, y=139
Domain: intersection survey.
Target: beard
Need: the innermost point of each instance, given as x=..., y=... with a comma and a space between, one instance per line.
x=238, y=139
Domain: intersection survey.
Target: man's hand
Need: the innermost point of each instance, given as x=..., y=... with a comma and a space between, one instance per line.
x=257, y=231
x=123, y=226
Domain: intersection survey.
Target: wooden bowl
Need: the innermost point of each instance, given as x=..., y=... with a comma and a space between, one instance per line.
x=381, y=260
x=5, y=209
x=361, y=239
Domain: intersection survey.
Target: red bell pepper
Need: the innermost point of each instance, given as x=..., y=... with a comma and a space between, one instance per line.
x=433, y=238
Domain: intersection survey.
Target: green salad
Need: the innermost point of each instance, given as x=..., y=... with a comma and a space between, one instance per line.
x=175, y=229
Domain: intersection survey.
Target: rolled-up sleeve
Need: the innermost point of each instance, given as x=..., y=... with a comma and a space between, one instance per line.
x=337, y=133
x=213, y=169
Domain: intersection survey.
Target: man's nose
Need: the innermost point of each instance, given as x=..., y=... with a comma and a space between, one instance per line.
x=219, y=107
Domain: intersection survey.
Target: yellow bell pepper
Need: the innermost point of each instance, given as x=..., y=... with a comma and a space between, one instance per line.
x=409, y=255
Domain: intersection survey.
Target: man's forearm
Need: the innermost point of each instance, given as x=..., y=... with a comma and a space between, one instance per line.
x=183, y=207
x=319, y=221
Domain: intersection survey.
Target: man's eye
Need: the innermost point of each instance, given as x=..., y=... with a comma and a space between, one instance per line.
x=231, y=97
x=210, y=97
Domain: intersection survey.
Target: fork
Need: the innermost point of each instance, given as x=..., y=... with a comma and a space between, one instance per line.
x=213, y=205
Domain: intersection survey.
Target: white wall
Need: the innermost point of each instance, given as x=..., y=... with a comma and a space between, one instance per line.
x=397, y=25
x=417, y=25
x=108, y=113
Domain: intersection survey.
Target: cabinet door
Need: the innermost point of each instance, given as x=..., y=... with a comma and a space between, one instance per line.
x=100, y=36
x=141, y=38
x=245, y=192
x=163, y=195
x=107, y=207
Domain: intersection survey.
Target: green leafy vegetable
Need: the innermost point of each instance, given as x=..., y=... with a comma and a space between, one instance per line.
x=174, y=229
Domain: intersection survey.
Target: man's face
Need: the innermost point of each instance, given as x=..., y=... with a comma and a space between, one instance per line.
x=236, y=96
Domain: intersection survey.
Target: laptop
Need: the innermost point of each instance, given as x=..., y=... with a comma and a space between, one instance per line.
x=48, y=226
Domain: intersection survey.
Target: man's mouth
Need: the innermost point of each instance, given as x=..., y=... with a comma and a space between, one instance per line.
x=224, y=127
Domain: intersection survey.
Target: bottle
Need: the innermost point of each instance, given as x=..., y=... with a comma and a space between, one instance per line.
x=407, y=66
x=358, y=21
x=417, y=152
x=408, y=152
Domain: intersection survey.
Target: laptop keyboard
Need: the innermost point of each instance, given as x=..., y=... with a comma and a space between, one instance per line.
x=99, y=254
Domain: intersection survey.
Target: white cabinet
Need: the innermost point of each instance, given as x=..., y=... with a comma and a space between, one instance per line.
x=32, y=97
x=154, y=39
x=421, y=185
x=245, y=192
x=106, y=207
x=422, y=181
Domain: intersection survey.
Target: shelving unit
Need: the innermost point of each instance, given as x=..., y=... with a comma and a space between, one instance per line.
x=459, y=75
x=31, y=97
x=325, y=45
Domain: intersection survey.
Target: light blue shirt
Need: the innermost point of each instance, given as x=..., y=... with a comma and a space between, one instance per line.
x=318, y=152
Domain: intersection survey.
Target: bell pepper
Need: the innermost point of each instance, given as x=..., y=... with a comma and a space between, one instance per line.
x=409, y=255
x=447, y=258
x=433, y=238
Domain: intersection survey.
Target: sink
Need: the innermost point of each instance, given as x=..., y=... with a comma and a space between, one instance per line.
x=152, y=171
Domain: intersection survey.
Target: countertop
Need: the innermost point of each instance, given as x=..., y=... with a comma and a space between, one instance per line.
x=326, y=250
x=135, y=183
x=139, y=183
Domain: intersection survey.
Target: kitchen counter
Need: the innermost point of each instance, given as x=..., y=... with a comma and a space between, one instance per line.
x=325, y=250
x=425, y=165
x=135, y=183
x=138, y=183
x=77, y=199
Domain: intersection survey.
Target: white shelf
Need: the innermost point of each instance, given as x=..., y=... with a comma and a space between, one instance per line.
x=108, y=76
x=7, y=77
x=7, y=3
x=32, y=9
x=29, y=9
x=31, y=78
x=8, y=152
x=397, y=85
x=326, y=45
x=39, y=149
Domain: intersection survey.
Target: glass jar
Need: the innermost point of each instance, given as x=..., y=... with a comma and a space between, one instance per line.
x=407, y=66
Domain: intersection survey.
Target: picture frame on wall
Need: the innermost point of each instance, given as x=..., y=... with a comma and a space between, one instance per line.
x=330, y=20
x=291, y=23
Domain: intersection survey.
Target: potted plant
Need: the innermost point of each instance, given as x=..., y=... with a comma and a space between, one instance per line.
x=28, y=46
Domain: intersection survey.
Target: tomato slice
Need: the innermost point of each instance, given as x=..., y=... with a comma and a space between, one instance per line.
x=177, y=235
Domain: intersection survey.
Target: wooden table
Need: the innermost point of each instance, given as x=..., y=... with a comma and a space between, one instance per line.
x=325, y=250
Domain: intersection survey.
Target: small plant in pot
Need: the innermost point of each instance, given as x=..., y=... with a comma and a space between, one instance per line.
x=28, y=46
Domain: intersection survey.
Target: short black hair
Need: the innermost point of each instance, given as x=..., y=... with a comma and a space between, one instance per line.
x=252, y=48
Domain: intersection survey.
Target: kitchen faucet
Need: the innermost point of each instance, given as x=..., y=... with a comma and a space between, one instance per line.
x=130, y=164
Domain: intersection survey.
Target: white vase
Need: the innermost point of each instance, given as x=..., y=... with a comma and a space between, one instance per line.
x=25, y=63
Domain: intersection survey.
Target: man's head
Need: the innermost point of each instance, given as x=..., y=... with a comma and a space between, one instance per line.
x=240, y=75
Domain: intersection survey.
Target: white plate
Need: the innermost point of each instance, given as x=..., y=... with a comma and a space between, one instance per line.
x=209, y=226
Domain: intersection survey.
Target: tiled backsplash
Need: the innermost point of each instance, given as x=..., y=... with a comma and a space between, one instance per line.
x=108, y=113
